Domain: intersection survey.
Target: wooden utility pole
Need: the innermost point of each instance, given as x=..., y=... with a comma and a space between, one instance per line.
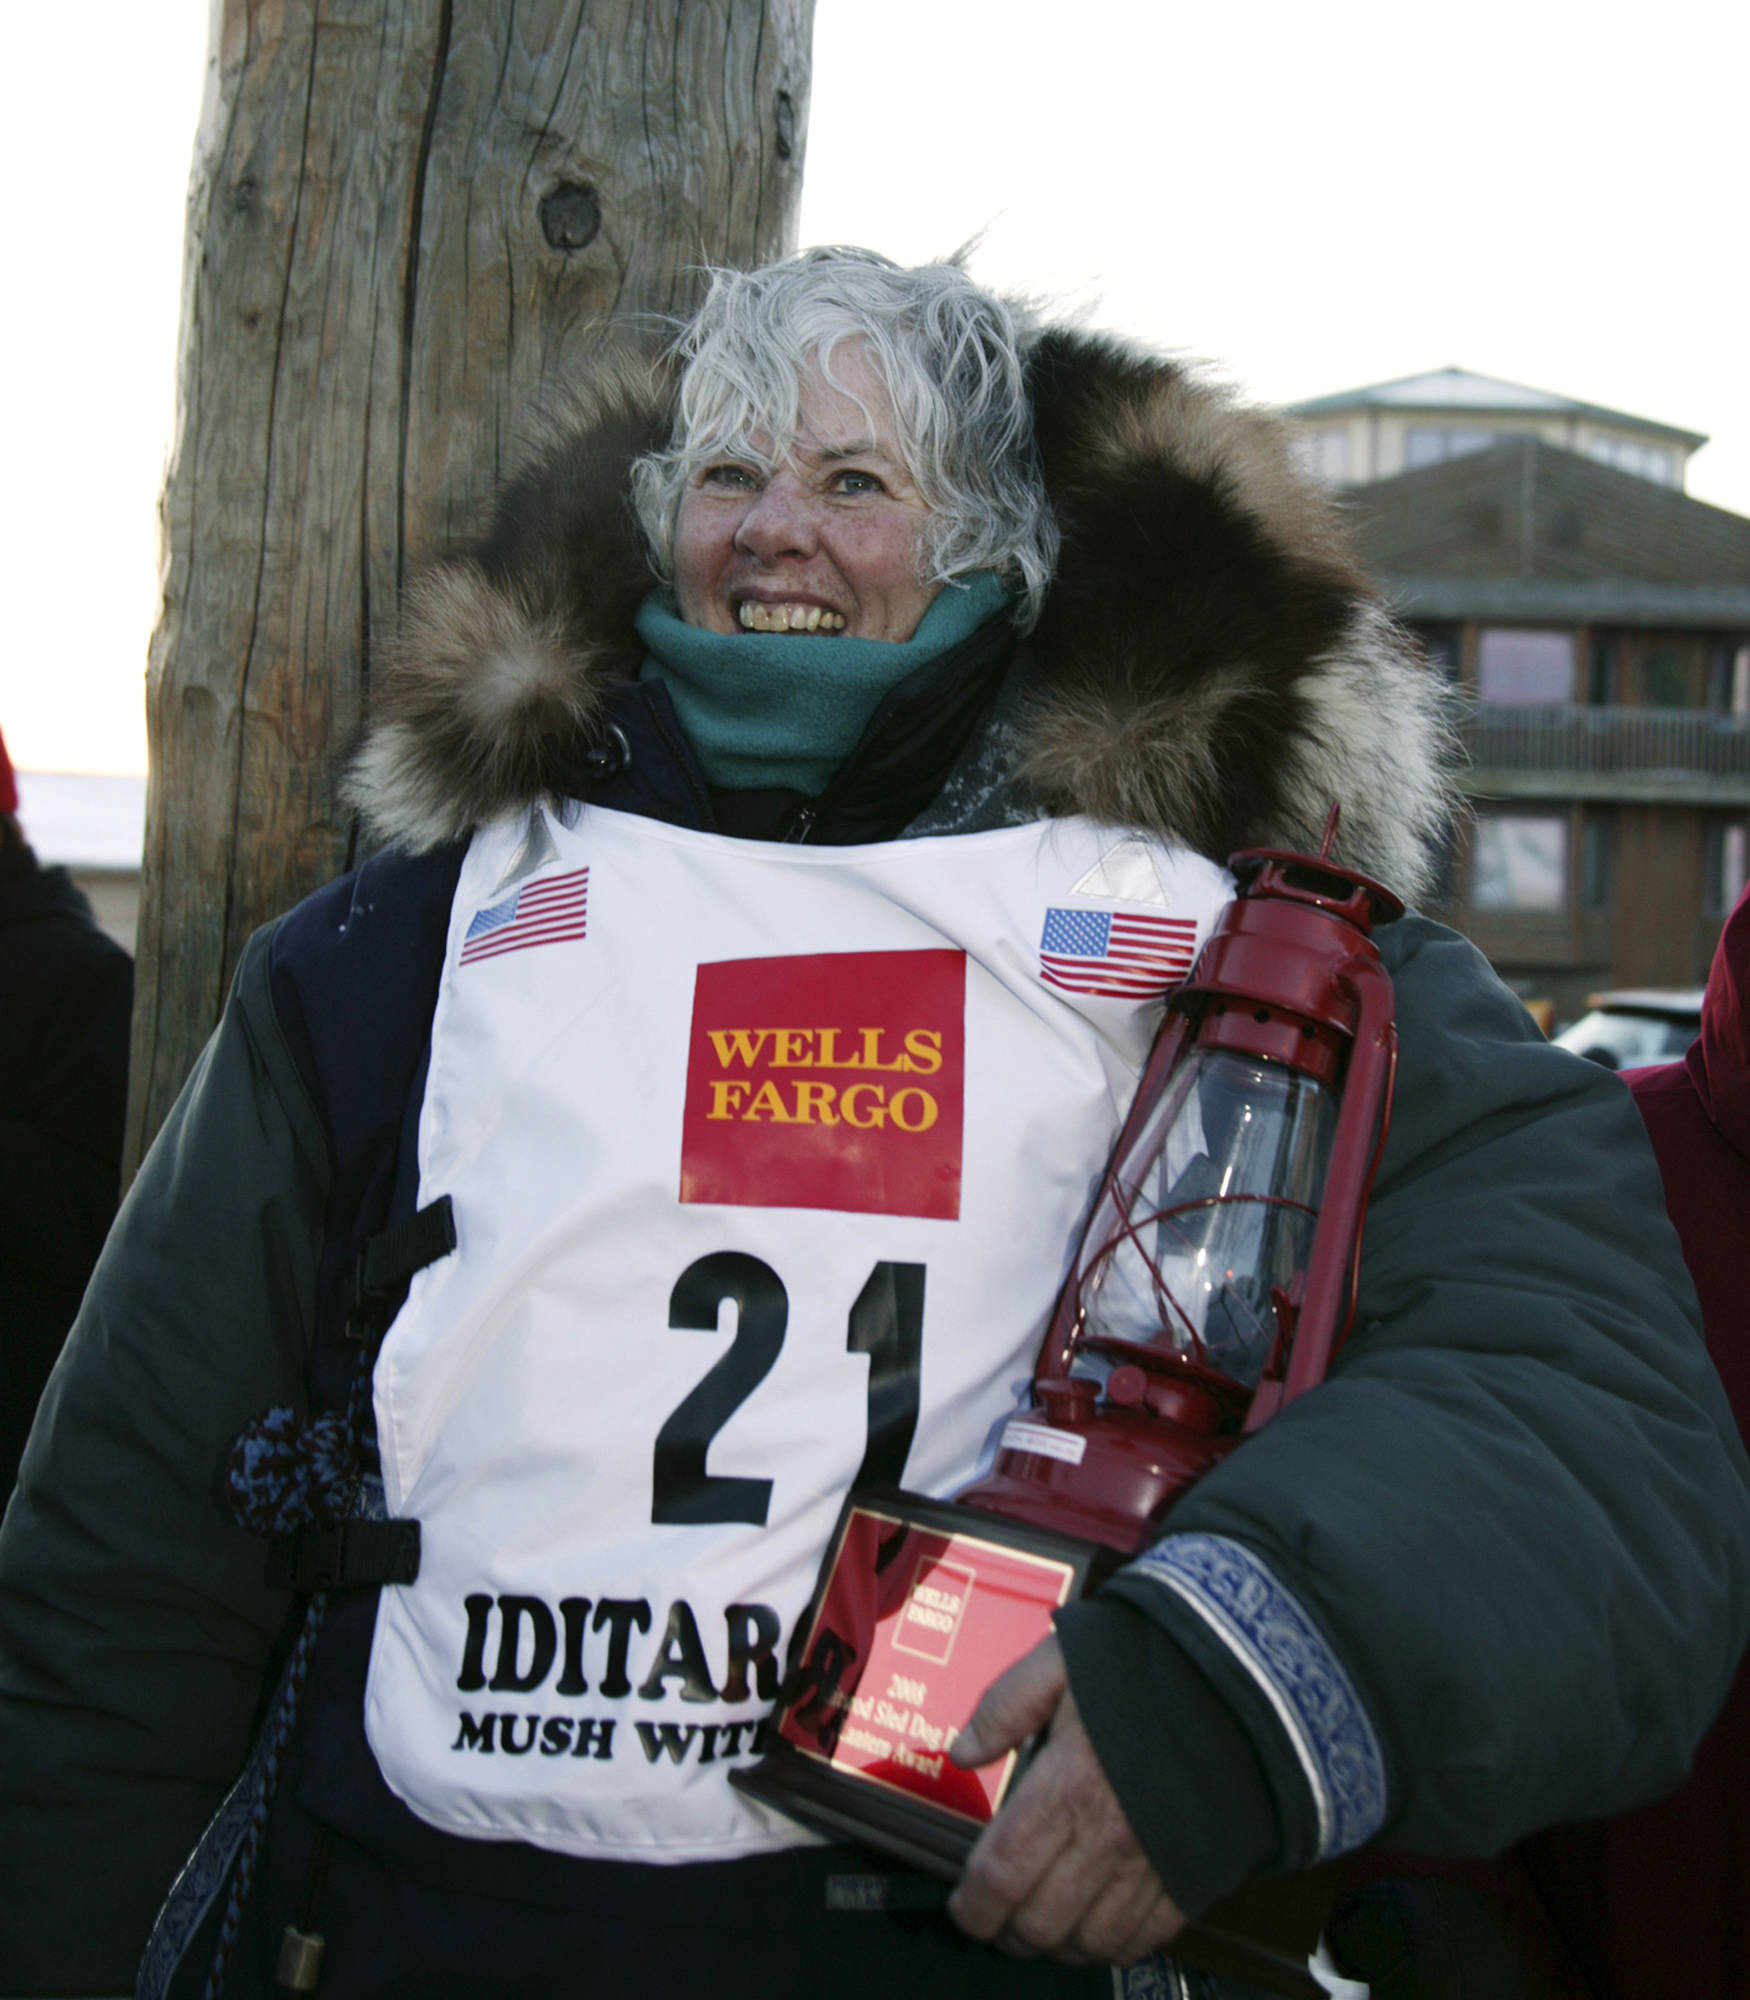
x=403, y=215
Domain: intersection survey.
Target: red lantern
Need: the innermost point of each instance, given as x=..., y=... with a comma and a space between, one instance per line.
x=1216, y=1275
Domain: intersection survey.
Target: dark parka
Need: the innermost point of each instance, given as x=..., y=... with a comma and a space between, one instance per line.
x=1512, y=1532
x=66, y=995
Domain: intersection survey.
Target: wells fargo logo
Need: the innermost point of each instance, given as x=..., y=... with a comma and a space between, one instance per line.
x=834, y=1081
x=934, y=1608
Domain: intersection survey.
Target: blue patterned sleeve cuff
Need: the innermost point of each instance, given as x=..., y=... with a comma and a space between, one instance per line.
x=1276, y=1644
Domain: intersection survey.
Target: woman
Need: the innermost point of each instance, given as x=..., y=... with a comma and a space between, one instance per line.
x=705, y=971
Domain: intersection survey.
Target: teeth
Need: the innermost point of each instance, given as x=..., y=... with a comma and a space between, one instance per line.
x=755, y=617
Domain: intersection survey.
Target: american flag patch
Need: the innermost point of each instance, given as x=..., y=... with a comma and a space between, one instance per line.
x=545, y=912
x=1101, y=951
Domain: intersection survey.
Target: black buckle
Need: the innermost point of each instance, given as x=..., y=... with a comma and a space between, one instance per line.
x=386, y=1265
x=337, y=1555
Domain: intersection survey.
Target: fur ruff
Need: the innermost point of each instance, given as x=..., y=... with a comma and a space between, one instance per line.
x=1211, y=665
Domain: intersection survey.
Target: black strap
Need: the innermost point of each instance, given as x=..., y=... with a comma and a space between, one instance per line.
x=386, y=1264
x=334, y=1555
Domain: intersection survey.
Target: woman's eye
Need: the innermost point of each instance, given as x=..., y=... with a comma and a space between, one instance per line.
x=858, y=482
x=729, y=474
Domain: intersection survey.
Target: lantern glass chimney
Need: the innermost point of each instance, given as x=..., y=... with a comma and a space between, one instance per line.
x=1209, y=1214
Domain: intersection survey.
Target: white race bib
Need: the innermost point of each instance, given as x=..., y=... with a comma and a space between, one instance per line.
x=765, y=1163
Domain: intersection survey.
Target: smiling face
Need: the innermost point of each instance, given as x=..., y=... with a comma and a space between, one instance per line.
x=825, y=541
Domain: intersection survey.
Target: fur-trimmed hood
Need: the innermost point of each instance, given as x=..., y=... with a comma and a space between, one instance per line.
x=1210, y=665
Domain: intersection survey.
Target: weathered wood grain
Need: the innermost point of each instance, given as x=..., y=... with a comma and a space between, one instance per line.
x=401, y=219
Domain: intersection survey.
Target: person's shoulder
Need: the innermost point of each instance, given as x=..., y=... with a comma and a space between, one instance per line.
x=352, y=976
x=1705, y=1174
x=375, y=911
x=39, y=898
x=1660, y=1084
x=1441, y=978
x=1473, y=1065
x=49, y=936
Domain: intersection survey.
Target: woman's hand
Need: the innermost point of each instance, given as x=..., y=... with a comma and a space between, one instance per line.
x=1058, y=1870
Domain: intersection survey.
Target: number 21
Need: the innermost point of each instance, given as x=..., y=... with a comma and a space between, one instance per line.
x=886, y=1323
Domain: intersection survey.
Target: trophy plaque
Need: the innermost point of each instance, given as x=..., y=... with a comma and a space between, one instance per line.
x=923, y=1603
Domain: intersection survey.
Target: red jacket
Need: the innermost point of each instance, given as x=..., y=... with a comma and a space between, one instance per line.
x=1657, y=1902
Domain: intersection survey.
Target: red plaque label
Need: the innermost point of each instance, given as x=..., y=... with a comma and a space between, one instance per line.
x=914, y=1624
x=834, y=1081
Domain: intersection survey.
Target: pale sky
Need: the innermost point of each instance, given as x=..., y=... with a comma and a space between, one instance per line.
x=1305, y=197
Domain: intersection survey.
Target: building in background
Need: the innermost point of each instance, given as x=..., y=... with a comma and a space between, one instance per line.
x=1374, y=433
x=94, y=827
x=1595, y=624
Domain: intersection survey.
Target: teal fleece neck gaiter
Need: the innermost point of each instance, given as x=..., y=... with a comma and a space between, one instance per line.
x=787, y=708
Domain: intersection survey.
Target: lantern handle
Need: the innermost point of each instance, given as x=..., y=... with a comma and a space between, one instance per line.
x=1328, y=845
x=1357, y=1147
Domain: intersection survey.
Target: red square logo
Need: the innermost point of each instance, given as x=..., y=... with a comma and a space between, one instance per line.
x=834, y=1081
x=930, y=1621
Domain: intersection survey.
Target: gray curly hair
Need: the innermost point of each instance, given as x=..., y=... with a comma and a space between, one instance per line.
x=950, y=358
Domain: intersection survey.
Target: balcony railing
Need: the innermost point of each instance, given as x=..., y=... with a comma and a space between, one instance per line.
x=1607, y=742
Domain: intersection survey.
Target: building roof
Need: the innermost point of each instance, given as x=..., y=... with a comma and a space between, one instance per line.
x=1456, y=390
x=83, y=819
x=1525, y=529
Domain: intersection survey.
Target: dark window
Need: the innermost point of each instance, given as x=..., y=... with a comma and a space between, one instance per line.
x=1728, y=677
x=1597, y=844
x=1727, y=863
x=1660, y=679
x=1444, y=645
x=1601, y=683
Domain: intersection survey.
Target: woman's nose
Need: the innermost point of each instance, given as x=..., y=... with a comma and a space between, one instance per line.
x=778, y=522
